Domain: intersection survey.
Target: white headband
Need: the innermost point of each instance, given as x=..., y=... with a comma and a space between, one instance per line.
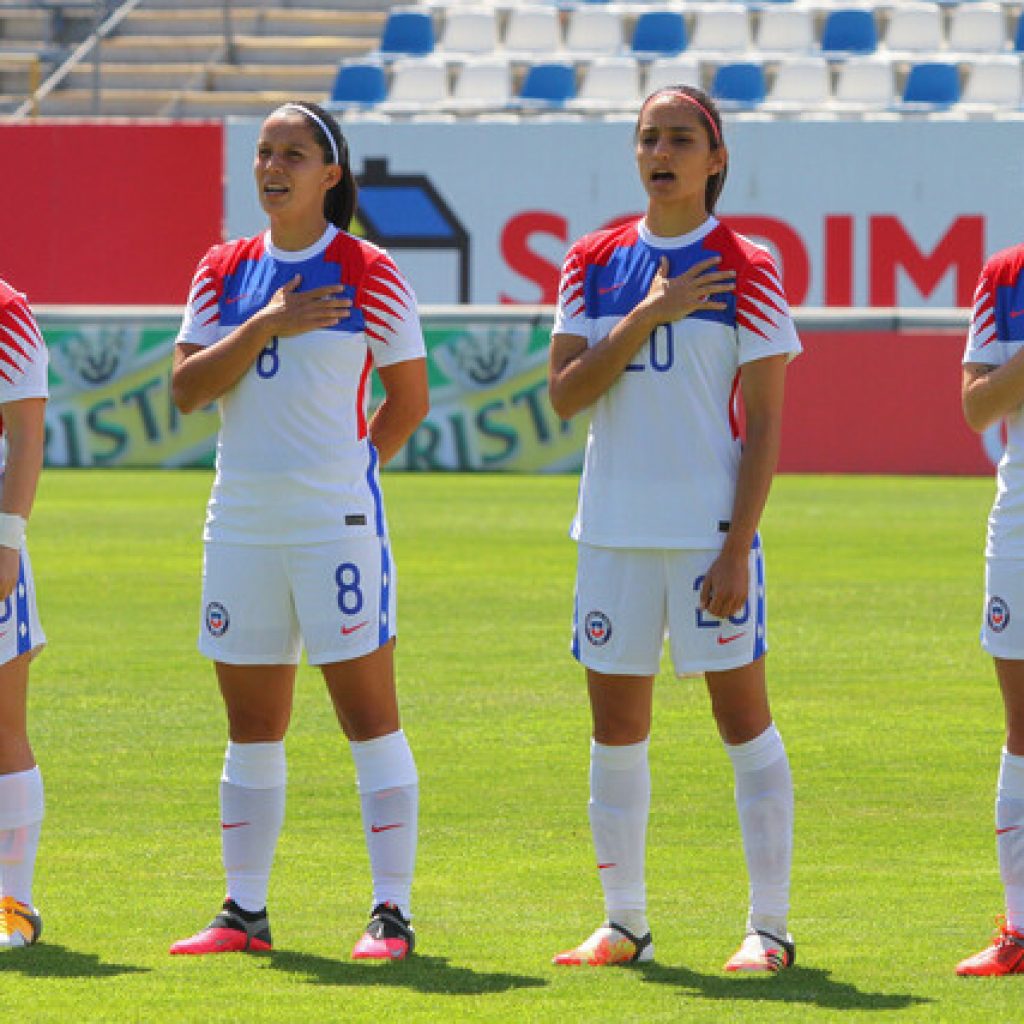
x=319, y=121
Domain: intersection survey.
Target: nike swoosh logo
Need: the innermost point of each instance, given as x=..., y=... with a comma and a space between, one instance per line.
x=233, y=824
x=601, y=867
x=236, y=298
x=611, y=287
x=386, y=828
x=729, y=639
x=1016, y=312
x=346, y=630
x=1003, y=831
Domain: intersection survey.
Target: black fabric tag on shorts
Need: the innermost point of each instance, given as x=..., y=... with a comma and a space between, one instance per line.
x=355, y=519
x=723, y=525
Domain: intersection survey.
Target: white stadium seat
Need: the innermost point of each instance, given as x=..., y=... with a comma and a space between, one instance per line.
x=865, y=83
x=470, y=30
x=594, y=30
x=723, y=28
x=609, y=83
x=416, y=84
x=914, y=28
x=533, y=31
x=977, y=28
x=482, y=84
x=993, y=82
x=785, y=28
x=671, y=71
x=801, y=83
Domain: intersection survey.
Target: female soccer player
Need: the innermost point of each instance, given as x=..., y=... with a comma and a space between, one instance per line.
x=282, y=330
x=23, y=392
x=660, y=322
x=993, y=390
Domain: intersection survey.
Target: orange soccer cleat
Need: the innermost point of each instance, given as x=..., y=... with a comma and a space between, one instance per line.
x=20, y=924
x=1004, y=956
x=762, y=953
x=611, y=944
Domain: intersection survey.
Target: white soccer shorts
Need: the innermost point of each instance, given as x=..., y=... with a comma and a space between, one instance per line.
x=20, y=629
x=261, y=603
x=628, y=599
x=1002, y=624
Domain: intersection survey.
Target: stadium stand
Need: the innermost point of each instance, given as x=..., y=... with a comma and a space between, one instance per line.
x=203, y=58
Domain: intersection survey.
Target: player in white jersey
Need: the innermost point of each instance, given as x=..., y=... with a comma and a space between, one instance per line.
x=993, y=391
x=661, y=324
x=23, y=393
x=282, y=331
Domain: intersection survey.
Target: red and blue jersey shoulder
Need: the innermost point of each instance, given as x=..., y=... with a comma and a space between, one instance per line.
x=21, y=341
x=998, y=314
x=380, y=293
x=598, y=270
x=217, y=284
x=759, y=301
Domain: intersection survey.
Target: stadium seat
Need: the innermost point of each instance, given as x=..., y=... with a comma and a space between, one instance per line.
x=593, y=31
x=659, y=33
x=482, y=84
x=739, y=85
x=723, y=28
x=849, y=30
x=532, y=31
x=786, y=30
x=914, y=28
x=934, y=83
x=977, y=28
x=993, y=82
x=417, y=84
x=864, y=83
x=407, y=33
x=550, y=83
x=359, y=84
x=470, y=30
x=1018, y=40
x=666, y=71
x=609, y=83
x=801, y=83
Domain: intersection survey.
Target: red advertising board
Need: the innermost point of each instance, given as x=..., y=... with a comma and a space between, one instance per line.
x=878, y=402
x=114, y=213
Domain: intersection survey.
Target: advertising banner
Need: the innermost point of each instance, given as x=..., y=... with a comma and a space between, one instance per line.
x=857, y=401
x=859, y=213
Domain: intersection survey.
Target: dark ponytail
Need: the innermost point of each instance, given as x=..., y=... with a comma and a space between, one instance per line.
x=340, y=202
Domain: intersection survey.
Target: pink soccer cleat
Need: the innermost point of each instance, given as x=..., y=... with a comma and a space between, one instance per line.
x=231, y=931
x=388, y=936
x=1004, y=956
x=762, y=953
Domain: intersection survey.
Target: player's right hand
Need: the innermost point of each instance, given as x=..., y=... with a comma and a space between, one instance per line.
x=290, y=312
x=694, y=289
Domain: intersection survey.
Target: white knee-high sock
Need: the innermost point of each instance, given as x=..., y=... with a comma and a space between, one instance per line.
x=389, y=794
x=252, y=796
x=620, y=800
x=764, y=800
x=1010, y=836
x=21, y=820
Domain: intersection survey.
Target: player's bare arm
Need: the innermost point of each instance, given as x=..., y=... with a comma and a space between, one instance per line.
x=578, y=375
x=762, y=383
x=406, y=402
x=991, y=392
x=201, y=375
x=25, y=429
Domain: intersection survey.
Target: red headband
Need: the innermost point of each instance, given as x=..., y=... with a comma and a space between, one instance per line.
x=700, y=106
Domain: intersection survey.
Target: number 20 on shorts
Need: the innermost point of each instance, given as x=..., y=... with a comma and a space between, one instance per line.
x=706, y=622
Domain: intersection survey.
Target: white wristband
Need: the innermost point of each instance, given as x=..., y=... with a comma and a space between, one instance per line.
x=12, y=530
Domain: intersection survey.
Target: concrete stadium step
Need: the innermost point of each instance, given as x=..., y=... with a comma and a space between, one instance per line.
x=253, y=21
x=351, y=6
x=254, y=103
x=134, y=76
x=63, y=23
x=311, y=78
x=299, y=49
x=160, y=49
x=114, y=102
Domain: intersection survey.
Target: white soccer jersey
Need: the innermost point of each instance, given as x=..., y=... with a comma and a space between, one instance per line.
x=996, y=334
x=294, y=461
x=664, y=446
x=23, y=355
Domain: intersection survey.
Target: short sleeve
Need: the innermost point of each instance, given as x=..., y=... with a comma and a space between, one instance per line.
x=764, y=324
x=23, y=355
x=390, y=312
x=570, y=311
x=983, y=330
x=202, y=310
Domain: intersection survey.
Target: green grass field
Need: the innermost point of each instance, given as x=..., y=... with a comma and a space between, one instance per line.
x=888, y=707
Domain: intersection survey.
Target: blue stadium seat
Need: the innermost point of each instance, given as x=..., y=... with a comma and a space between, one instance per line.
x=659, y=33
x=739, y=85
x=1018, y=43
x=407, y=34
x=934, y=83
x=850, y=30
x=551, y=83
x=359, y=84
